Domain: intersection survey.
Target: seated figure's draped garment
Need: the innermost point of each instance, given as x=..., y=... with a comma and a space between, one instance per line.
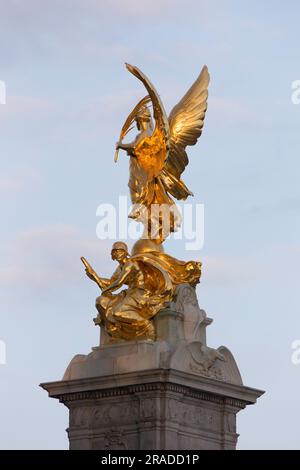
x=151, y=285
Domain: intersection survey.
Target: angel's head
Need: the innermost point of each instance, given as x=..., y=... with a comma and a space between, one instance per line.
x=143, y=118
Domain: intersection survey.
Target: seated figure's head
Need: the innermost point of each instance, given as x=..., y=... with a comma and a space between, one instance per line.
x=119, y=251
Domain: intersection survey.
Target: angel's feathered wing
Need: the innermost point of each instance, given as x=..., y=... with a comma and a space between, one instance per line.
x=163, y=154
x=185, y=127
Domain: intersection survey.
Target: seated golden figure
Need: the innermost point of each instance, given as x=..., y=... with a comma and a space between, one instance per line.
x=151, y=277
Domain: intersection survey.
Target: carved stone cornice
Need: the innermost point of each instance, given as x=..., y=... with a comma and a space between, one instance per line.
x=150, y=387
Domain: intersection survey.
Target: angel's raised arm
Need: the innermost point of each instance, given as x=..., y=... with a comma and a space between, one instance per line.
x=158, y=108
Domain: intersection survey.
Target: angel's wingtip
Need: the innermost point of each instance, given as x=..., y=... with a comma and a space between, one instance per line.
x=205, y=72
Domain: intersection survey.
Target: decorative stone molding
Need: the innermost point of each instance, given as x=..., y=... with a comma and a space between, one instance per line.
x=172, y=393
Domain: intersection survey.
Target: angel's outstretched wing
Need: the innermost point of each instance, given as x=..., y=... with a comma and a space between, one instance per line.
x=185, y=122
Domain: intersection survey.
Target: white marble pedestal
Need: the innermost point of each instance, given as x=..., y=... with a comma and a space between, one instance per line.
x=174, y=393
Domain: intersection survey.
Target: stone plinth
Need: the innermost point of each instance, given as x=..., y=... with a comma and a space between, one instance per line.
x=172, y=393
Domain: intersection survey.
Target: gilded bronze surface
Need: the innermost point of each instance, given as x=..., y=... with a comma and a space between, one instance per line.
x=158, y=156
x=157, y=160
x=151, y=278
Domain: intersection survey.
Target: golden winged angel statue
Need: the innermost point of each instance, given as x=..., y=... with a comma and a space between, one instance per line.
x=157, y=160
x=158, y=154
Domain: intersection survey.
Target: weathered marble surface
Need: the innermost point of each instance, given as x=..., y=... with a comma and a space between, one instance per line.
x=180, y=345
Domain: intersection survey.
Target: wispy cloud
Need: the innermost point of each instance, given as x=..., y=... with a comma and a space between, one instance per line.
x=225, y=270
x=231, y=112
x=282, y=206
x=20, y=180
x=259, y=267
x=49, y=257
x=82, y=29
x=24, y=107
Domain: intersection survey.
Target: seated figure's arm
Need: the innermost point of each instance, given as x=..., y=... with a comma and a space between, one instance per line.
x=104, y=282
x=101, y=281
x=121, y=279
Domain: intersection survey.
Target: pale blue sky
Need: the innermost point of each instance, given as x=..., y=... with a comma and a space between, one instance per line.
x=67, y=96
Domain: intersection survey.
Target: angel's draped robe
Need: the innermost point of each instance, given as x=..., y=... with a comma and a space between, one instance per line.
x=159, y=214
